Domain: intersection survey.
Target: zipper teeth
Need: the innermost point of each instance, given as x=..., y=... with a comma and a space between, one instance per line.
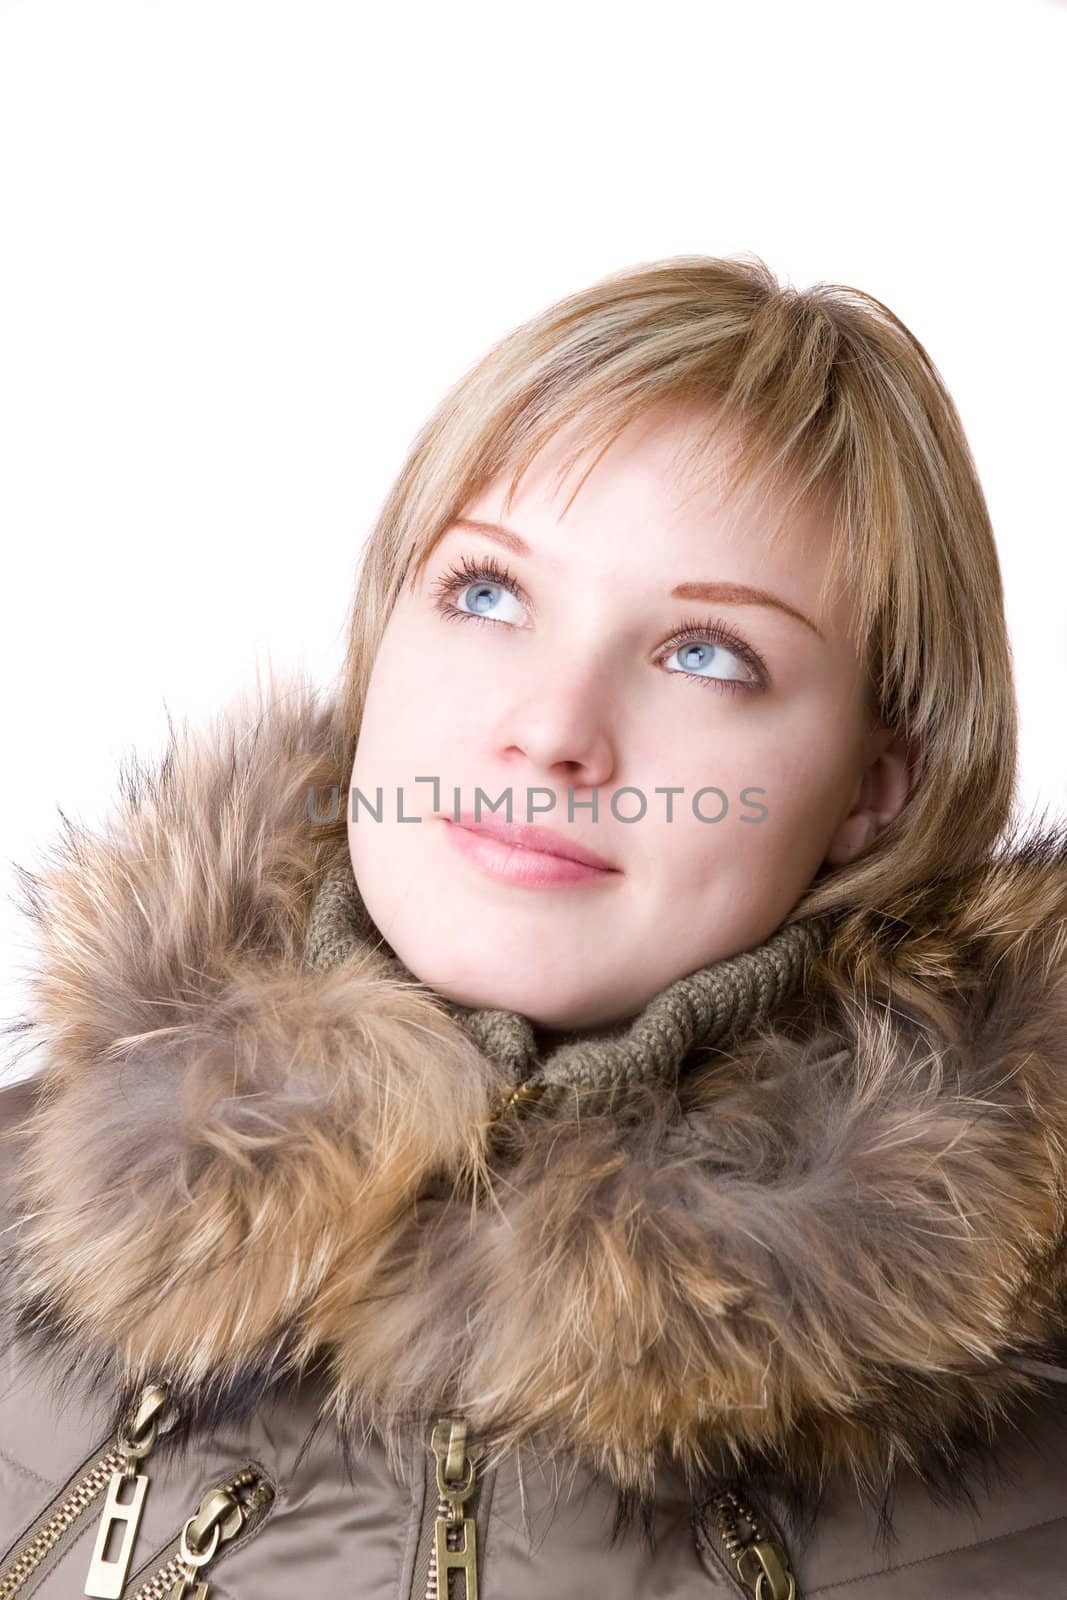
x=63, y=1517
x=431, y=1581
x=509, y=1099
x=445, y=1510
x=727, y=1506
x=159, y=1584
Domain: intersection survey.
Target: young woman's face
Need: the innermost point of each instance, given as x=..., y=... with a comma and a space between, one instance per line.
x=544, y=665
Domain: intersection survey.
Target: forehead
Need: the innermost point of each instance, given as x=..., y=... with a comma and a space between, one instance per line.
x=644, y=506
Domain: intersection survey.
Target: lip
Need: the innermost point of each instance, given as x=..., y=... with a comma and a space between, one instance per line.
x=546, y=841
x=527, y=855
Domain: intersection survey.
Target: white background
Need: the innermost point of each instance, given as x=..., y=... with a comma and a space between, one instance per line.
x=247, y=244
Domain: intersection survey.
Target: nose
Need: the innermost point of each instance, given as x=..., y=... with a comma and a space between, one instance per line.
x=560, y=731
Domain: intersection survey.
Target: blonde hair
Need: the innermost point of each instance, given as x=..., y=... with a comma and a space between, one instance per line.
x=827, y=400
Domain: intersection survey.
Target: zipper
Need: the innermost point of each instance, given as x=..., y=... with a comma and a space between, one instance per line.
x=448, y=1532
x=761, y=1561
x=509, y=1099
x=112, y=1468
x=107, y=1574
x=225, y=1511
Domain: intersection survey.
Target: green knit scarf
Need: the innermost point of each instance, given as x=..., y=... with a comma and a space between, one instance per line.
x=706, y=1009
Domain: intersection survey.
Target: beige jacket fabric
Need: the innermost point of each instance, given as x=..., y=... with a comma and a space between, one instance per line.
x=268, y=1238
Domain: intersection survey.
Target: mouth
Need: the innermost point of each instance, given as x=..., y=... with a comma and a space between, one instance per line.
x=528, y=837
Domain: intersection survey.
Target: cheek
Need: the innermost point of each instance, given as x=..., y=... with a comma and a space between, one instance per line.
x=415, y=721
x=784, y=783
x=408, y=706
x=806, y=758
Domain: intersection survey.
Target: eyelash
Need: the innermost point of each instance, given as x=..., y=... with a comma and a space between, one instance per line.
x=468, y=571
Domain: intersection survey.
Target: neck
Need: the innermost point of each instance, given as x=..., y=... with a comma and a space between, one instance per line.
x=708, y=1008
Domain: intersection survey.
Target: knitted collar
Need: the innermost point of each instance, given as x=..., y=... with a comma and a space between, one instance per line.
x=706, y=1009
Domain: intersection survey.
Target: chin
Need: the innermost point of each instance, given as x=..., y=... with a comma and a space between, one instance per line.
x=551, y=1019
x=543, y=1006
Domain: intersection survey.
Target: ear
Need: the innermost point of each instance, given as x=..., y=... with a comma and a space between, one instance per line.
x=880, y=794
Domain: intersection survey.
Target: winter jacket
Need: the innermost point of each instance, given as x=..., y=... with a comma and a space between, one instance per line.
x=314, y=1283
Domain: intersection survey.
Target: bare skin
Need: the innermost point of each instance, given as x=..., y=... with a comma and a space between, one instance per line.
x=559, y=682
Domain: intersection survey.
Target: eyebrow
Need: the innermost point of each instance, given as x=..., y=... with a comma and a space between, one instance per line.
x=722, y=593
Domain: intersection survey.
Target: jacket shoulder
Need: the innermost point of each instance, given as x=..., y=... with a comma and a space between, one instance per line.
x=1000, y=1529
x=16, y=1100
x=17, y=1103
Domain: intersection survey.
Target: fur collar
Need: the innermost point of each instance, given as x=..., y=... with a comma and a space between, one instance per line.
x=837, y=1244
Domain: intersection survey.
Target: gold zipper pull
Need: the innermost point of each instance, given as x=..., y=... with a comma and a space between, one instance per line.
x=221, y=1517
x=137, y=1438
x=767, y=1574
x=455, y=1544
x=762, y=1564
x=507, y=1103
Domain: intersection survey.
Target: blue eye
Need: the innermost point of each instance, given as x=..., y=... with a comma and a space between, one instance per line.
x=699, y=649
x=700, y=642
x=480, y=577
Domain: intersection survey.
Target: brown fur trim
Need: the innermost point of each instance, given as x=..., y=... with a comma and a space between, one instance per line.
x=817, y=1252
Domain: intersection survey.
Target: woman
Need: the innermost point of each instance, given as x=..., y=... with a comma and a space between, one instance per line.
x=667, y=1202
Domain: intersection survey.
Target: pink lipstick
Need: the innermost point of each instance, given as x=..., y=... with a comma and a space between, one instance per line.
x=527, y=855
